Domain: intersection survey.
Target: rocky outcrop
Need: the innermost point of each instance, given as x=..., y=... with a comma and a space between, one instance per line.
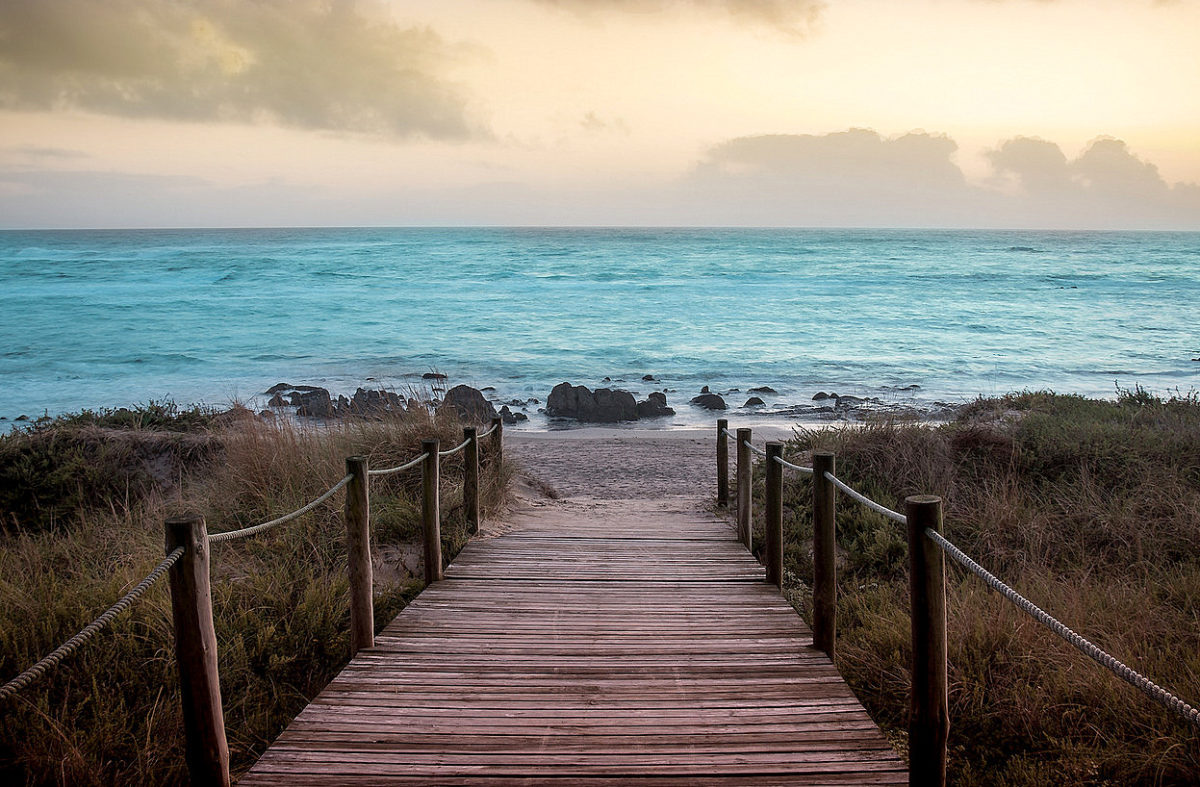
x=314, y=403
x=709, y=401
x=370, y=403
x=470, y=404
x=604, y=406
x=754, y=401
x=655, y=406
x=509, y=417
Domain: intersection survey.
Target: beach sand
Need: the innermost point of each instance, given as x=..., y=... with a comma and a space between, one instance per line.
x=617, y=464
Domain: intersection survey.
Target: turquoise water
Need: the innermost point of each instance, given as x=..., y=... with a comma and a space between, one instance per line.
x=100, y=319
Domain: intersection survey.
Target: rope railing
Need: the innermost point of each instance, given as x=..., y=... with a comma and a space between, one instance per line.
x=399, y=468
x=188, y=561
x=51, y=659
x=457, y=448
x=866, y=501
x=1106, y=660
x=230, y=535
x=798, y=468
x=929, y=717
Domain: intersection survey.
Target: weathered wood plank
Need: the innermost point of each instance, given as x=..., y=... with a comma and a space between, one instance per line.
x=590, y=645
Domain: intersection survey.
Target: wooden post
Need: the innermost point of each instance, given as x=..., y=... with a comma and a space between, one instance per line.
x=824, y=554
x=929, y=723
x=497, y=444
x=745, y=473
x=196, y=653
x=774, y=519
x=431, y=516
x=358, y=556
x=471, y=478
x=722, y=463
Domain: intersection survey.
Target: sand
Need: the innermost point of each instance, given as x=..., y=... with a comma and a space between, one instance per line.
x=619, y=464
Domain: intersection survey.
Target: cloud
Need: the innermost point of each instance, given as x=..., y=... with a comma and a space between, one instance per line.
x=860, y=178
x=308, y=64
x=791, y=17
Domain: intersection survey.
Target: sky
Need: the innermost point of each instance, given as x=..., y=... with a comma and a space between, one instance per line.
x=1041, y=114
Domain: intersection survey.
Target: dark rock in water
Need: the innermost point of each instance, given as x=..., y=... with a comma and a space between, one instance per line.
x=433, y=376
x=647, y=378
x=733, y=391
x=532, y=401
x=820, y=396
x=848, y=401
x=605, y=406
x=763, y=389
x=509, y=417
x=754, y=401
x=21, y=418
x=709, y=401
x=277, y=401
x=655, y=406
x=470, y=404
x=606, y=380
x=704, y=390
x=280, y=388
x=488, y=389
x=515, y=403
x=313, y=403
x=371, y=403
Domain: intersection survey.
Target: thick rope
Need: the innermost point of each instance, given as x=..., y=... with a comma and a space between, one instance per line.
x=798, y=468
x=488, y=432
x=399, y=468
x=1135, y=679
x=758, y=451
x=229, y=535
x=730, y=435
x=455, y=449
x=866, y=501
x=70, y=646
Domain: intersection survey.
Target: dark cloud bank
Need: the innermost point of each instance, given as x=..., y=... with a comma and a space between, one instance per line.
x=339, y=66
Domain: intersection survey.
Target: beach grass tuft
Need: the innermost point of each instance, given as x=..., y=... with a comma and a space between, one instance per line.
x=1091, y=509
x=84, y=500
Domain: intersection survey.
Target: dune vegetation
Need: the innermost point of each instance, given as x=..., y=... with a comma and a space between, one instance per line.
x=1089, y=508
x=82, y=504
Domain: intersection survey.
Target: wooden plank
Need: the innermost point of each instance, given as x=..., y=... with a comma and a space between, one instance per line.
x=590, y=644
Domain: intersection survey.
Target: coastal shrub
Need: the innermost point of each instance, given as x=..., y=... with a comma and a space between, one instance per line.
x=1090, y=508
x=110, y=713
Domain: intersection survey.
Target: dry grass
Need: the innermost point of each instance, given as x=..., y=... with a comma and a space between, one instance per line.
x=84, y=503
x=1089, y=508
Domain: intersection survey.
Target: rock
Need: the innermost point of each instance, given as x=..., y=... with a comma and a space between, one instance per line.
x=709, y=401
x=733, y=391
x=606, y=380
x=532, y=401
x=488, y=389
x=704, y=390
x=470, y=404
x=655, y=406
x=266, y=415
x=763, y=389
x=754, y=401
x=647, y=378
x=371, y=403
x=277, y=400
x=821, y=396
x=279, y=388
x=433, y=376
x=605, y=406
x=315, y=403
x=509, y=417
x=21, y=418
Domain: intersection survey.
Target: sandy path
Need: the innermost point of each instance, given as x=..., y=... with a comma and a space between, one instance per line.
x=618, y=464
x=621, y=466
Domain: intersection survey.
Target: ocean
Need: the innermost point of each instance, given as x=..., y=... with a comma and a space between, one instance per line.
x=98, y=319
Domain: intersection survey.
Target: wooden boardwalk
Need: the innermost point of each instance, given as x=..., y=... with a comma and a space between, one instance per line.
x=594, y=642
